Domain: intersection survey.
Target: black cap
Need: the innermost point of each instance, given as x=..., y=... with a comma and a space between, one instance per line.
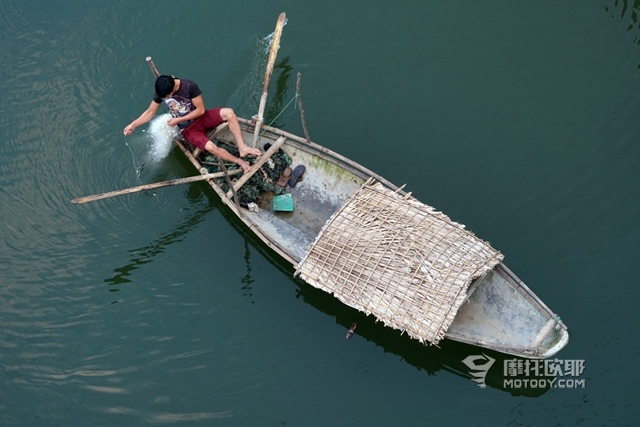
x=164, y=85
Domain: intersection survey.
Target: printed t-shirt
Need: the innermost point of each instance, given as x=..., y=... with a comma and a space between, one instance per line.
x=180, y=103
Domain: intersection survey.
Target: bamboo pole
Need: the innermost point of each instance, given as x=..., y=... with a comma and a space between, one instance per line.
x=275, y=45
x=152, y=66
x=155, y=185
x=543, y=333
x=257, y=165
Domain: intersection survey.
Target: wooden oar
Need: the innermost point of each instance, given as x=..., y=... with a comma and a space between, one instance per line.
x=273, y=53
x=145, y=187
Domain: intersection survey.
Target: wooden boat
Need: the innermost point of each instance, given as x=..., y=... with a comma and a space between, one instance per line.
x=377, y=249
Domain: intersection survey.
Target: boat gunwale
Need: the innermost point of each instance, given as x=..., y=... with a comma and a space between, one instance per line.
x=323, y=153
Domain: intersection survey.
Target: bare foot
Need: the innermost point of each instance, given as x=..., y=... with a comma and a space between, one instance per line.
x=245, y=151
x=244, y=165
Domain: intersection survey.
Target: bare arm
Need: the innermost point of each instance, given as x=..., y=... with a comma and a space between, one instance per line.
x=198, y=102
x=144, y=118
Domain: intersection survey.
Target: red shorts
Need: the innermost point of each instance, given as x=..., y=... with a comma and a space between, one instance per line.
x=196, y=132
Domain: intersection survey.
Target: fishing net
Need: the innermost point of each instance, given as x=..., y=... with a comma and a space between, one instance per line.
x=263, y=181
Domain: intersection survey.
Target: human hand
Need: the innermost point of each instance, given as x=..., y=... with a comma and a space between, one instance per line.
x=173, y=122
x=129, y=129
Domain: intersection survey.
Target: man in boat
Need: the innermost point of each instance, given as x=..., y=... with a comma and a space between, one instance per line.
x=184, y=99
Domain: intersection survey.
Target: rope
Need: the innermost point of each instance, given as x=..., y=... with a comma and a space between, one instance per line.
x=281, y=111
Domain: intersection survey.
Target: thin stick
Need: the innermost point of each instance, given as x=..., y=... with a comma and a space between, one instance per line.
x=145, y=187
x=275, y=45
x=230, y=184
x=304, y=122
x=204, y=162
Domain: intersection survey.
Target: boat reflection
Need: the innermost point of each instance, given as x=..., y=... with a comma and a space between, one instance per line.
x=449, y=356
x=144, y=255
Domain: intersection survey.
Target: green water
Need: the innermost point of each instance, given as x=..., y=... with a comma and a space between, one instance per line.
x=518, y=120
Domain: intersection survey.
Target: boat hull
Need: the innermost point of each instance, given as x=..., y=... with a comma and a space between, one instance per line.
x=501, y=313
